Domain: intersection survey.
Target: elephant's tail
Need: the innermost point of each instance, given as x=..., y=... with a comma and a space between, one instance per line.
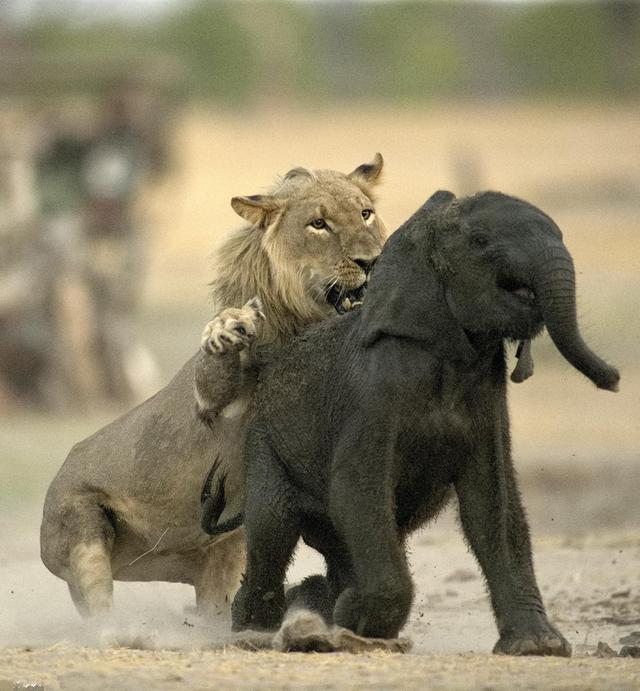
x=213, y=503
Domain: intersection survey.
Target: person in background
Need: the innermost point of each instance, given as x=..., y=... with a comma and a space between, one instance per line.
x=87, y=184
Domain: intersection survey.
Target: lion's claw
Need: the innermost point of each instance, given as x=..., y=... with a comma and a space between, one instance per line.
x=234, y=328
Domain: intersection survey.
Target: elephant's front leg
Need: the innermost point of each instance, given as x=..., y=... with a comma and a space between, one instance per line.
x=496, y=528
x=272, y=531
x=362, y=511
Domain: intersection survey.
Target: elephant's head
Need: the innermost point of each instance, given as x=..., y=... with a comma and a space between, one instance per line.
x=460, y=271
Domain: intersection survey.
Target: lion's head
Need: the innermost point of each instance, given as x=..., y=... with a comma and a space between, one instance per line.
x=308, y=249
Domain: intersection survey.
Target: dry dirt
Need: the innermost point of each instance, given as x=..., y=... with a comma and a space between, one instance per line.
x=589, y=578
x=577, y=448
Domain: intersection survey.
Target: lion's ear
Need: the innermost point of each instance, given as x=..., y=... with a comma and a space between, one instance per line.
x=257, y=208
x=368, y=173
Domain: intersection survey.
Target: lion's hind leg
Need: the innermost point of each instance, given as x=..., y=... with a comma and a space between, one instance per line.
x=76, y=544
x=91, y=581
x=220, y=575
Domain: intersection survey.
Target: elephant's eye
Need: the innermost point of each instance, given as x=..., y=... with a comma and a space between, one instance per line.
x=367, y=214
x=479, y=240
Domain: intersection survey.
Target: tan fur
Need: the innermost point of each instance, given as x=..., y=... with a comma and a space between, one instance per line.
x=90, y=568
x=290, y=276
x=221, y=573
x=126, y=503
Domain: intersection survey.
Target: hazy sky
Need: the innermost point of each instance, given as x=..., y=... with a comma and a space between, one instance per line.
x=24, y=8
x=19, y=9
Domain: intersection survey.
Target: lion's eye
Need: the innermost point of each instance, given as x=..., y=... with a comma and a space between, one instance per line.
x=367, y=214
x=319, y=224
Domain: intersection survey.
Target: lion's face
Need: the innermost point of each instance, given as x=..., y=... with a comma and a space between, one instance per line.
x=321, y=232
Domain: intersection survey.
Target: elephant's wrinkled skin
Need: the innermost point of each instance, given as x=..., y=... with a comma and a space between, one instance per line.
x=366, y=424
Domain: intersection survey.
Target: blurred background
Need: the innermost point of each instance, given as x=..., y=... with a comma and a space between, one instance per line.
x=127, y=125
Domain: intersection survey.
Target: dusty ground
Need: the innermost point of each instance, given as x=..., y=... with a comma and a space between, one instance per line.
x=577, y=448
x=589, y=576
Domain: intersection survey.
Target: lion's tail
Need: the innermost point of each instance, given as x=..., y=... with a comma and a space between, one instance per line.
x=213, y=504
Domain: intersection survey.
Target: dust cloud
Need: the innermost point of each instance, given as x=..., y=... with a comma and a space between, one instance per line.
x=37, y=610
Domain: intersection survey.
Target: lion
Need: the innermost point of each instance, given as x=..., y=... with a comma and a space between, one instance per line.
x=125, y=505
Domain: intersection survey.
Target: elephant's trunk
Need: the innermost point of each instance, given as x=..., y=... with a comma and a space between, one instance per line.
x=554, y=285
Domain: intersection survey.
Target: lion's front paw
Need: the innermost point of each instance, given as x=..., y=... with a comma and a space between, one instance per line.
x=234, y=328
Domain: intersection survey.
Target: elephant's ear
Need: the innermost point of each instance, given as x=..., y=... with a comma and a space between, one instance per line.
x=406, y=295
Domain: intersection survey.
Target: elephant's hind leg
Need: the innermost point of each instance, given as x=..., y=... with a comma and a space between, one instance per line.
x=220, y=575
x=313, y=594
x=319, y=593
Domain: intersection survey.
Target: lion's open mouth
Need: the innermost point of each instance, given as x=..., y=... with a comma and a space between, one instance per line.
x=344, y=300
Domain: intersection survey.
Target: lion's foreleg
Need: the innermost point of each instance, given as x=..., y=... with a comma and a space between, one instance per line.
x=221, y=573
x=219, y=367
x=217, y=382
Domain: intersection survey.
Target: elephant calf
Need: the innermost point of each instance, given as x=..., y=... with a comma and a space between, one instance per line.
x=364, y=425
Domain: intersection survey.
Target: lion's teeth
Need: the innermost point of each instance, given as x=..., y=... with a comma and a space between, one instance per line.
x=346, y=304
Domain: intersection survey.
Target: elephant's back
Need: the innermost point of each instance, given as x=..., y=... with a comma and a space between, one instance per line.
x=307, y=363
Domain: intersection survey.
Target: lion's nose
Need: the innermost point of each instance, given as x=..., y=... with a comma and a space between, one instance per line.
x=366, y=264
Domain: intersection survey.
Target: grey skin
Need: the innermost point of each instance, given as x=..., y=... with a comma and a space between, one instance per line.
x=364, y=426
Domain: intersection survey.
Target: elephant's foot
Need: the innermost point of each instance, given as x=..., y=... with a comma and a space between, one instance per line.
x=380, y=614
x=258, y=611
x=314, y=594
x=541, y=640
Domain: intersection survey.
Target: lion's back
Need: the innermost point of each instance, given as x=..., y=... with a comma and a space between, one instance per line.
x=146, y=437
